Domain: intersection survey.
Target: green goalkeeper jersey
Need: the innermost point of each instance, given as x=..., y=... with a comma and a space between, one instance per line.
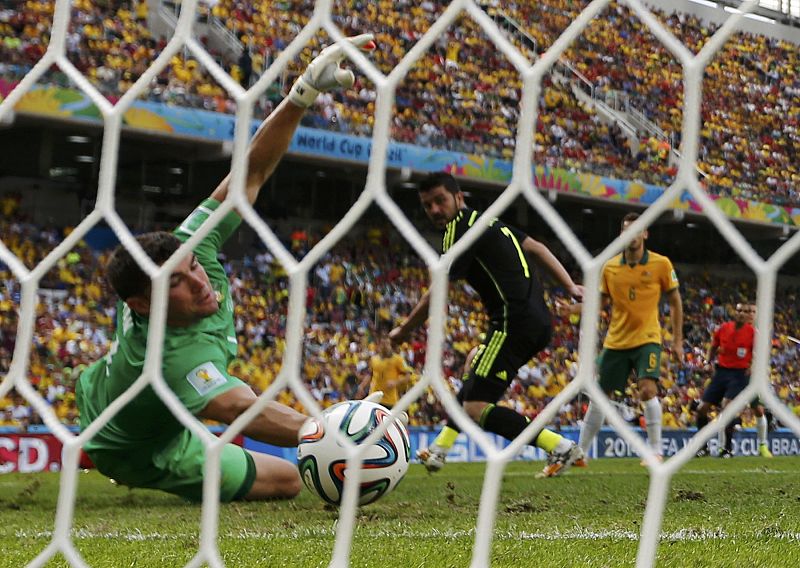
x=195, y=358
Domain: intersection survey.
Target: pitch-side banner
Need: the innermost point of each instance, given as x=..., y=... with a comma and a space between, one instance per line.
x=36, y=452
x=607, y=445
x=32, y=453
x=29, y=453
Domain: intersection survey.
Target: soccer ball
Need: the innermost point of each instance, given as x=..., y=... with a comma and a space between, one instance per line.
x=321, y=458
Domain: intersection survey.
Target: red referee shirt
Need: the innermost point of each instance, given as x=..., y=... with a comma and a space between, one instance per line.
x=735, y=345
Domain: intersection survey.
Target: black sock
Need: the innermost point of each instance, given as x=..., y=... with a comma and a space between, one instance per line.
x=702, y=420
x=503, y=421
x=729, y=429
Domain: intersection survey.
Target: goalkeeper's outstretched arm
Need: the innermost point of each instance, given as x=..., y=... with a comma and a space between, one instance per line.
x=276, y=424
x=272, y=139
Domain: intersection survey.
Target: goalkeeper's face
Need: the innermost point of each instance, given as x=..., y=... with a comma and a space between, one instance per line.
x=191, y=297
x=441, y=206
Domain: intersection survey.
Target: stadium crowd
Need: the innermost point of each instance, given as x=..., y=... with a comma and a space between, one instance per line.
x=355, y=295
x=464, y=94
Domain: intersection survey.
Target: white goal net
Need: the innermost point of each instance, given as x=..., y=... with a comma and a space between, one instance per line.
x=375, y=192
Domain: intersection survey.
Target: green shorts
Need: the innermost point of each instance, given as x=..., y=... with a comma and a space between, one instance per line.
x=615, y=365
x=177, y=468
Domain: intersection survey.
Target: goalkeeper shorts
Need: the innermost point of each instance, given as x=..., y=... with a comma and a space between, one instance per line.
x=177, y=468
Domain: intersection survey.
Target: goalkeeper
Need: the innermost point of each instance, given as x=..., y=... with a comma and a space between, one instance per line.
x=143, y=444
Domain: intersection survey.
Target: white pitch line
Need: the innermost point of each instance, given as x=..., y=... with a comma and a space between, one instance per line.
x=683, y=535
x=644, y=472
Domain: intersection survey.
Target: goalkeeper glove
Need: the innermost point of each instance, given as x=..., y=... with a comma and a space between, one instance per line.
x=324, y=73
x=375, y=397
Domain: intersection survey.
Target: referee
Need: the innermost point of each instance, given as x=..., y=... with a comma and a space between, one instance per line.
x=732, y=347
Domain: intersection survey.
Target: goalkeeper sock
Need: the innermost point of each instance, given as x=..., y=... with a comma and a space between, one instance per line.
x=652, y=421
x=592, y=423
x=761, y=426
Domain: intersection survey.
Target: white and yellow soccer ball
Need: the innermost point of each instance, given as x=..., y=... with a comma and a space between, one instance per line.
x=322, y=461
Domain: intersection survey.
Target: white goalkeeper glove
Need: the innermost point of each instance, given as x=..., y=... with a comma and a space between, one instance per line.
x=375, y=397
x=324, y=74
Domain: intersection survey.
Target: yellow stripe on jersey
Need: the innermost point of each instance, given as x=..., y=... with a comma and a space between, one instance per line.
x=476, y=359
x=507, y=232
x=450, y=232
x=496, y=285
x=496, y=350
x=492, y=348
x=445, y=238
x=481, y=370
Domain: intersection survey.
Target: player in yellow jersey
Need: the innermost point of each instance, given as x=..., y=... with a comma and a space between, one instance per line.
x=389, y=374
x=633, y=282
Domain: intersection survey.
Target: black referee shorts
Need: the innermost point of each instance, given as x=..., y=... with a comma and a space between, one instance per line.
x=726, y=383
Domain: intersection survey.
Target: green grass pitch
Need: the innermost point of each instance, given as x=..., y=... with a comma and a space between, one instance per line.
x=740, y=512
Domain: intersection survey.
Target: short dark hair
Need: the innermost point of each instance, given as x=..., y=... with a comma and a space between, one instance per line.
x=629, y=218
x=436, y=179
x=124, y=274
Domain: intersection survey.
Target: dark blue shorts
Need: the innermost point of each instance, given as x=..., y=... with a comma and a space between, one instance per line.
x=727, y=383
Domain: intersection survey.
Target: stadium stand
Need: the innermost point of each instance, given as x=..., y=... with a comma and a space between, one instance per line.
x=354, y=296
x=463, y=96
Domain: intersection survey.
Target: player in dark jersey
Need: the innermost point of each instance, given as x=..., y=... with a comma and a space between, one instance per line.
x=732, y=348
x=497, y=267
x=143, y=444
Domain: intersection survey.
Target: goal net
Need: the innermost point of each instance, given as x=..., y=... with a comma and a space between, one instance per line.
x=375, y=192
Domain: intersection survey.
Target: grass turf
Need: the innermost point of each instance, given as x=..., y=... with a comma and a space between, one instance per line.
x=726, y=513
